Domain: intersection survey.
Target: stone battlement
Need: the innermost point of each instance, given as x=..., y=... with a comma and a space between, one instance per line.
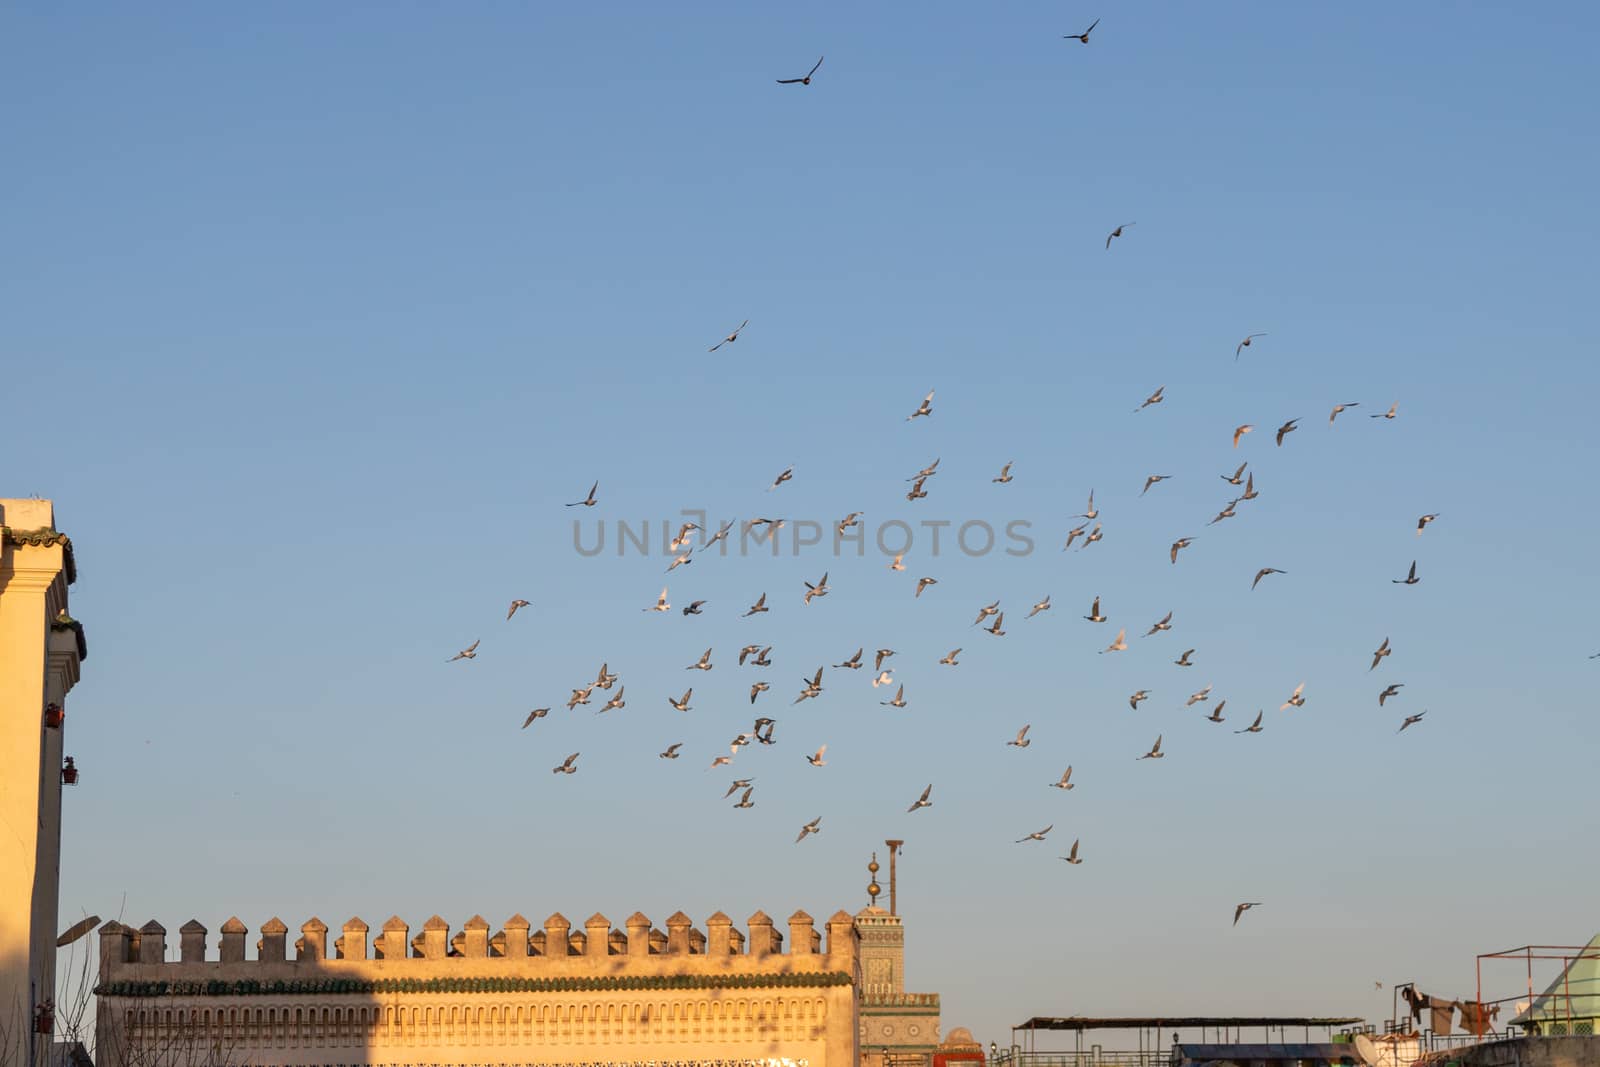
x=555, y=951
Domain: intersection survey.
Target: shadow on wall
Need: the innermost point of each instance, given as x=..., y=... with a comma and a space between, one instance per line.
x=555, y=995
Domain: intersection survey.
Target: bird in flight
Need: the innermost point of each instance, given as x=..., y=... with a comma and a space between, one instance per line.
x=757, y=689
x=1164, y=623
x=815, y=759
x=1253, y=728
x=745, y=801
x=1197, y=697
x=1037, y=835
x=1337, y=408
x=852, y=519
x=616, y=702
x=1225, y=513
x=1119, y=645
x=1183, y=660
x=1216, y=712
x=1073, y=534
x=682, y=703
x=1296, y=699
x=820, y=589
x=853, y=663
x=813, y=687
x=1152, y=480
x=759, y=606
x=787, y=475
x=732, y=337
x=802, y=81
x=515, y=604
x=1005, y=474
x=1118, y=231
x=1091, y=513
x=661, y=602
x=1390, y=691
x=1237, y=478
x=917, y=492
x=1021, y=740
x=1133, y=701
x=1263, y=572
x=470, y=652
x=898, y=563
x=899, y=700
x=925, y=409
x=1043, y=605
x=1153, y=398
x=720, y=761
x=720, y=535
x=680, y=560
x=1410, y=578
x=1072, y=857
x=1065, y=781
x=702, y=664
x=694, y=607
x=579, y=696
x=1155, y=751
x=1180, y=544
x=1422, y=522
x=950, y=660
x=922, y=801
x=1383, y=650
x=1093, y=536
x=1411, y=720
x=605, y=678
x=1084, y=37
x=1242, y=908
x=1286, y=429
x=812, y=827
x=1094, y=612
x=883, y=678
x=536, y=713
x=1393, y=410
x=1249, y=487
x=923, y=583
x=1240, y=431
x=671, y=751
x=995, y=628
x=588, y=501
x=567, y=766
x=881, y=655
x=1244, y=345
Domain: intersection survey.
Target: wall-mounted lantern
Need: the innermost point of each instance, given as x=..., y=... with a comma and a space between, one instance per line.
x=69, y=772
x=54, y=716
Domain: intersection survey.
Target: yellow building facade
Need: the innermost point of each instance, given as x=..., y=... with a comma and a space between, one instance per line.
x=598, y=996
x=41, y=648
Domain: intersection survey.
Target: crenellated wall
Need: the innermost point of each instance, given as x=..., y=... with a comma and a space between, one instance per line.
x=594, y=994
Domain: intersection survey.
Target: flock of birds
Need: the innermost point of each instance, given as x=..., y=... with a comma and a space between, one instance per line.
x=762, y=729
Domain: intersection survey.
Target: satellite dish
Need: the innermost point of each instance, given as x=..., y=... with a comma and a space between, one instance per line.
x=77, y=930
x=1366, y=1048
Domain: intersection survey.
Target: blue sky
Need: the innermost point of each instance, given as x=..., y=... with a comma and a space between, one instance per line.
x=317, y=316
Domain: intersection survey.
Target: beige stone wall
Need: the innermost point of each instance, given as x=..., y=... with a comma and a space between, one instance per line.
x=599, y=996
x=38, y=666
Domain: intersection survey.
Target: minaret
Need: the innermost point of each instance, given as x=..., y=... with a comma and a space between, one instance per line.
x=41, y=646
x=882, y=943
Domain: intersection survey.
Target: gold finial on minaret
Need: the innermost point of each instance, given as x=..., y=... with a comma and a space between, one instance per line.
x=873, y=889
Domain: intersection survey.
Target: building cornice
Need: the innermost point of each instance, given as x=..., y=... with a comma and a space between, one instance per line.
x=44, y=537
